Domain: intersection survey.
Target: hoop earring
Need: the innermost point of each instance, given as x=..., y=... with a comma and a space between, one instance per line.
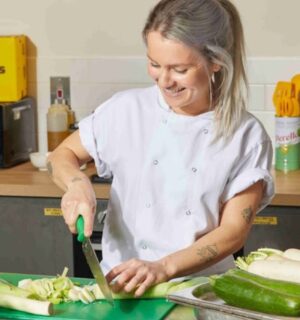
x=213, y=78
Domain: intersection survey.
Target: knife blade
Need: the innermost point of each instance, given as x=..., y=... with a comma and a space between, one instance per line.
x=92, y=261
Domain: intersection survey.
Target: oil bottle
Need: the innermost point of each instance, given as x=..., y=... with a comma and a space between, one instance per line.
x=58, y=119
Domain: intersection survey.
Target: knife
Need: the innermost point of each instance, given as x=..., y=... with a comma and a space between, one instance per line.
x=92, y=261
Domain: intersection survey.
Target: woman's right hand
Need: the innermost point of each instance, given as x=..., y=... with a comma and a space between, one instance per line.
x=79, y=199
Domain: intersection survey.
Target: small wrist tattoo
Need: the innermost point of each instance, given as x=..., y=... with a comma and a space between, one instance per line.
x=49, y=168
x=208, y=253
x=76, y=179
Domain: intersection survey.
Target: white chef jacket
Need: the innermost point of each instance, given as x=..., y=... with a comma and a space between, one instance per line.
x=169, y=180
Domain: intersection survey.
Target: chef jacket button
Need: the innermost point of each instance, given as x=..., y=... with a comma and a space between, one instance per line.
x=148, y=205
x=188, y=212
x=155, y=162
x=164, y=121
x=194, y=169
x=144, y=246
x=205, y=131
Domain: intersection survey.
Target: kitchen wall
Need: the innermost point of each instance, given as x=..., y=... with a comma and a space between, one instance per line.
x=98, y=45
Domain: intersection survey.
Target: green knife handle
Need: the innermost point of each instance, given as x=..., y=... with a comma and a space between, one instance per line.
x=80, y=228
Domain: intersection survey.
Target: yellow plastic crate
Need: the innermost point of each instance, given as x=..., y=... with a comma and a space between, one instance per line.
x=13, y=68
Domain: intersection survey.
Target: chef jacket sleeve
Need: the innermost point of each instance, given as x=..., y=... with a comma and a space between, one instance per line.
x=94, y=135
x=254, y=166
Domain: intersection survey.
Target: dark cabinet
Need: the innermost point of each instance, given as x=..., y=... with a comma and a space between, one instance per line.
x=34, y=238
x=275, y=227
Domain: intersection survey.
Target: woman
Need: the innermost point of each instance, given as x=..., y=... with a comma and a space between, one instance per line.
x=190, y=166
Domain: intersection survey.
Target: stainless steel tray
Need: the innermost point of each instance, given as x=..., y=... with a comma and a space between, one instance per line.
x=209, y=307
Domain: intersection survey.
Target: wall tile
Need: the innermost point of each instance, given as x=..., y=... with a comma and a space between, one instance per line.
x=271, y=70
x=256, y=97
x=90, y=96
x=269, y=90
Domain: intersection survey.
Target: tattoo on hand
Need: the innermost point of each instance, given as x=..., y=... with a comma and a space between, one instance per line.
x=208, y=253
x=49, y=168
x=76, y=179
x=247, y=214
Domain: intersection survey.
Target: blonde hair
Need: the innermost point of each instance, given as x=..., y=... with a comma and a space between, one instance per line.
x=214, y=29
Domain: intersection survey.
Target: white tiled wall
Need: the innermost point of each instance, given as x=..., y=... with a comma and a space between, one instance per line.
x=93, y=80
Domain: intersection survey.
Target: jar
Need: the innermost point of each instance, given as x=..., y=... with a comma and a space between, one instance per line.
x=287, y=143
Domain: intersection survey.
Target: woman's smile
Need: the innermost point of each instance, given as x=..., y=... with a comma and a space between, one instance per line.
x=173, y=92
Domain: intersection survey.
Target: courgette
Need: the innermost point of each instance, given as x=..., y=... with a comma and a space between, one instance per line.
x=278, y=285
x=245, y=293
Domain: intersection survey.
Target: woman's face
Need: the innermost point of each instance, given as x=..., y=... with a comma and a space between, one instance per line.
x=180, y=73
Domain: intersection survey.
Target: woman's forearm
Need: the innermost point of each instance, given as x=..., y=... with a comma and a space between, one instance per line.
x=64, y=168
x=64, y=162
x=203, y=253
x=79, y=197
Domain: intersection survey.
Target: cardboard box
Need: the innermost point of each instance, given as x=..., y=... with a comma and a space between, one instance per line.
x=13, y=68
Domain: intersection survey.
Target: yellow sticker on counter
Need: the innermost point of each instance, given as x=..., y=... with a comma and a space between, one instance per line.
x=52, y=212
x=265, y=220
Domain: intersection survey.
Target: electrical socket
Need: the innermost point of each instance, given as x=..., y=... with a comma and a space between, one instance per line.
x=60, y=89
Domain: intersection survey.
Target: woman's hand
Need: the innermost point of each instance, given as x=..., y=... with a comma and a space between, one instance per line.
x=79, y=199
x=137, y=276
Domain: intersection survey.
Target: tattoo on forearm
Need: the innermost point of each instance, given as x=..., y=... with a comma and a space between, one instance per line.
x=247, y=214
x=49, y=168
x=76, y=179
x=208, y=253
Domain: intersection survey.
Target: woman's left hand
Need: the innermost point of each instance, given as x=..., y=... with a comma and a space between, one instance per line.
x=137, y=276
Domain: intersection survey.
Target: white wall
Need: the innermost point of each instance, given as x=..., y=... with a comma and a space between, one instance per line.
x=98, y=45
x=102, y=27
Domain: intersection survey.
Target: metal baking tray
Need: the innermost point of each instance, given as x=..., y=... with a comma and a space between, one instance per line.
x=209, y=307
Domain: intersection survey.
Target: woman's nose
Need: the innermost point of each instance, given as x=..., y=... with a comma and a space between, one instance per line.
x=165, y=79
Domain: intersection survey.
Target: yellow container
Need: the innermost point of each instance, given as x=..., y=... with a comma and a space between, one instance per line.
x=13, y=68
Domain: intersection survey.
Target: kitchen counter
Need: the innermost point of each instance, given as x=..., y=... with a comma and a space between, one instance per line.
x=25, y=180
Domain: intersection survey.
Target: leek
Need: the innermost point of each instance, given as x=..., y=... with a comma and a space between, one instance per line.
x=260, y=254
x=24, y=304
x=160, y=290
x=6, y=287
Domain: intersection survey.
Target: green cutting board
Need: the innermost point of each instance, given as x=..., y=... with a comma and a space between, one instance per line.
x=129, y=309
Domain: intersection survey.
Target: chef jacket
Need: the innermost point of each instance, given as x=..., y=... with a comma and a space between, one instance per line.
x=169, y=180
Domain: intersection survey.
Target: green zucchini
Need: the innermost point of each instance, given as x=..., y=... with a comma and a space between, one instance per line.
x=278, y=285
x=248, y=294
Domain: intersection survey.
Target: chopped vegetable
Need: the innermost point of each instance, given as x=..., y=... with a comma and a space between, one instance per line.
x=292, y=253
x=260, y=254
x=271, y=263
x=24, y=304
x=38, y=296
x=62, y=289
x=276, y=257
x=54, y=290
x=288, y=270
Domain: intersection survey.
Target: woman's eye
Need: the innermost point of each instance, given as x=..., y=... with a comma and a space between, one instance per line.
x=154, y=65
x=182, y=71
